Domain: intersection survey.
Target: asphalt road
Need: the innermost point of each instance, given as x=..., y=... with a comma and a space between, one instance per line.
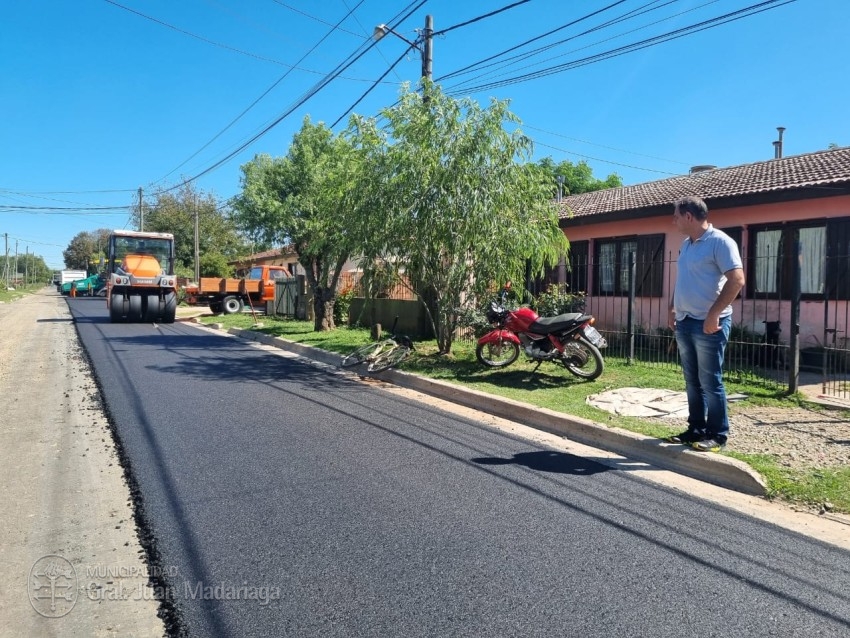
x=281, y=499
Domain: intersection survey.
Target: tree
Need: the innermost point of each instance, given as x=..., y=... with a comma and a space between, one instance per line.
x=86, y=249
x=461, y=206
x=578, y=178
x=305, y=199
x=218, y=238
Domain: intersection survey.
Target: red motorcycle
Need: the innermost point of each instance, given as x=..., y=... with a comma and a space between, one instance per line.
x=569, y=338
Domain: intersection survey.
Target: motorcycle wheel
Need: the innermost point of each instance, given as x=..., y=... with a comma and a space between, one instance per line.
x=583, y=359
x=497, y=354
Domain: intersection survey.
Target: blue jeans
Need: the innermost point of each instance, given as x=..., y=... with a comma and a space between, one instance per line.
x=702, y=364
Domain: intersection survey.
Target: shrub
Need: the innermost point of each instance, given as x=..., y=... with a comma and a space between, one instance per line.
x=342, y=305
x=556, y=301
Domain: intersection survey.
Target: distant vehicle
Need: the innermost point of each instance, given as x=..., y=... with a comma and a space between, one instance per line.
x=85, y=287
x=68, y=276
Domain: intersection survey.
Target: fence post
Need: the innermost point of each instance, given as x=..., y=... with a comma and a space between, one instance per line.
x=794, y=346
x=630, y=317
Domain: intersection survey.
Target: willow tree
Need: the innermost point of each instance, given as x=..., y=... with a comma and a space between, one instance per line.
x=305, y=200
x=462, y=205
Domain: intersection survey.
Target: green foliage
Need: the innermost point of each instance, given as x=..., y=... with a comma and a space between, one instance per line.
x=174, y=212
x=213, y=264
x=342, y=305
x=458, y=205
x=578, y=178
x=86, y=249
x=556, y=300
x=306, y=199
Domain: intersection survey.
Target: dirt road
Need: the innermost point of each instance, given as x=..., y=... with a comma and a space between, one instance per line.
x=71, y=560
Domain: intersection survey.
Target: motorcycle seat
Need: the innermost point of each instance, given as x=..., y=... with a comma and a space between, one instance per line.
x=548, y=325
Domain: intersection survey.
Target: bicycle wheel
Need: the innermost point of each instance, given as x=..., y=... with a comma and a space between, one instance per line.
x=362, y=354
x=389, y=358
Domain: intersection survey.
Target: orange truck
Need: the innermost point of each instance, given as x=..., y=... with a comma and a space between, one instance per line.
x=230, y=295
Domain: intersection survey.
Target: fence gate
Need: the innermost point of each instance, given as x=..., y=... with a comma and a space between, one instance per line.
x=286, y=297
x=835, y=352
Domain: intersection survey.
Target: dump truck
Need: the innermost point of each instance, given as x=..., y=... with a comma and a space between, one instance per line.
x=230, y=295
x=140, y=284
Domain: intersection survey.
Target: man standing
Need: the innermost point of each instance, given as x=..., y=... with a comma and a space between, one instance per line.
x=710, y=276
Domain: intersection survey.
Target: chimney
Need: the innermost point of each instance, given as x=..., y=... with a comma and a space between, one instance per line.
x=777, y=145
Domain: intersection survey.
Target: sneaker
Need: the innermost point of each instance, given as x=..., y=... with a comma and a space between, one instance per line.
x=709, y=444
x=688, y=437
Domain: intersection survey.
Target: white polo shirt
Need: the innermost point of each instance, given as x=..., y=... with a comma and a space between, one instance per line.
x=701, y=269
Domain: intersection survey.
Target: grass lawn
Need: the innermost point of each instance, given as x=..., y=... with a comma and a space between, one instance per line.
x=547, y=389
x=8, y=296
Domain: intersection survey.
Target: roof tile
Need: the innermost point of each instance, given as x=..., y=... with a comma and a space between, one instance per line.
x=786, y=173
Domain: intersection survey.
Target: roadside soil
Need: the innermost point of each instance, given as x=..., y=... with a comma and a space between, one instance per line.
x=799, y=438
x=71, y=559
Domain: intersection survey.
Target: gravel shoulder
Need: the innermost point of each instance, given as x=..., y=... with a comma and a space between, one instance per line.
x=72, y=563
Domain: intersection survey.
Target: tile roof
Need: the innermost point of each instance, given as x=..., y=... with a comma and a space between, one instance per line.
x=830, y=167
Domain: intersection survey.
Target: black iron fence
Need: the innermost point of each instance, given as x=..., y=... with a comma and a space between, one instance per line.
x=791, y=317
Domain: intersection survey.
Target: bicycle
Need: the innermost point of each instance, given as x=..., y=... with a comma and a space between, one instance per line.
x=381, y=355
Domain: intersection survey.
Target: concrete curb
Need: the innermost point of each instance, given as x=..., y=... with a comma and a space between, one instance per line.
x=711, y=468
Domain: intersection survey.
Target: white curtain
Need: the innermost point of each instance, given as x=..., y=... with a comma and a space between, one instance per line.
x=626, y=250
x=607, y=267
x=767, y=259
x=813, y=248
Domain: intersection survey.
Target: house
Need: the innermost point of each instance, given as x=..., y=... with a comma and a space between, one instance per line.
x=765, y=206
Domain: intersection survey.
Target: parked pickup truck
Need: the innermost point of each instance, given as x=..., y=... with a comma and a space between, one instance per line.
x=231, y=295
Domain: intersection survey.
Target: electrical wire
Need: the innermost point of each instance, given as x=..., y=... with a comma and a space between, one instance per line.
x=309, y=94
x=635, y=46
x=264, y=94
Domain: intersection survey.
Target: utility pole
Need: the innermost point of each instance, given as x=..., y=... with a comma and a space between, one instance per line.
x=27, y=268
x=428, y=47
x=141, y=212
x=6, y=262
x=197, y=244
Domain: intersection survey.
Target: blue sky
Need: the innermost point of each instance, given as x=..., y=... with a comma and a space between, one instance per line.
x=102, y=97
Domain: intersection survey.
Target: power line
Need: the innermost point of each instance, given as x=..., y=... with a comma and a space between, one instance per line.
x=610, y=148
x=66, y=208
x=354, y=57
x=534, y=39
x=597, y=159
x=264, y=94
x=481, y=17
x=212, y=42
x=635, y=46
x=335, y=27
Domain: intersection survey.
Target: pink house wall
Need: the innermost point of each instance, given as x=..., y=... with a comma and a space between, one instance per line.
x=611, y=311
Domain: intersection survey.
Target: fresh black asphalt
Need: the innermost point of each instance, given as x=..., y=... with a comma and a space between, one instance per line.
x=360, y=513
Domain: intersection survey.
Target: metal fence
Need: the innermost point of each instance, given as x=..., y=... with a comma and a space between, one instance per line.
x=782, y=323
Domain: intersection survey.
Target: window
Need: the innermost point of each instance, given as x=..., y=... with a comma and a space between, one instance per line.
x=577, y=266
x=613, y=261
x=773, y=253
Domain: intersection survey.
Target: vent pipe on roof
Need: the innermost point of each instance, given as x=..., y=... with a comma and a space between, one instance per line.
x=701, y=168
x=777, y=145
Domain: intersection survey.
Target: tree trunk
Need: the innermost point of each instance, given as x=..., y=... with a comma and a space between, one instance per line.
x=323, y=309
